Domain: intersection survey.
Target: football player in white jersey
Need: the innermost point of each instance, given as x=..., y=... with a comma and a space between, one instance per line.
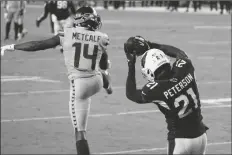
x=85, y=54
x=14, y=10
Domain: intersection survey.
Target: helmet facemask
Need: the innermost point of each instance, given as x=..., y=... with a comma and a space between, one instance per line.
x=88, y=17
x=88, y=20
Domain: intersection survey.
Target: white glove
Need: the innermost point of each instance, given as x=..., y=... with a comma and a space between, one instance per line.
x=7, y=48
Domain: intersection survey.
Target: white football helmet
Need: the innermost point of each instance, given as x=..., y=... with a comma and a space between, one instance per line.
x=151, y=61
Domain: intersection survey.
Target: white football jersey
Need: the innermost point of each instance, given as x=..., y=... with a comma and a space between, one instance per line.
x=83, y=50
x=13, y=6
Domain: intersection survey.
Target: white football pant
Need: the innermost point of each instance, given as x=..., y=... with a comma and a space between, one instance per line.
x=188, y=145
x=13, y=15
x=81, y=89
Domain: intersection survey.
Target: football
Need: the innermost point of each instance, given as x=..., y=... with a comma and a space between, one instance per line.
x=136, y=45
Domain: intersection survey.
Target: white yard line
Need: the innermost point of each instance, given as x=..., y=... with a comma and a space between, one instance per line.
x=212, y=27
x=156, y=149
x=123, y=56
x=67, y=90
x=26, y=78
x=197, y=42
x=213, y=101
x=100, y=115
x=36, y=79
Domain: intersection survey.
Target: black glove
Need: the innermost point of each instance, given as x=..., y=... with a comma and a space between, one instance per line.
x=131, y=57
x=141, y=45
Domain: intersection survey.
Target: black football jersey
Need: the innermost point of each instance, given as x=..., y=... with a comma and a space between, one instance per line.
x=61, y=9
x=178, y=99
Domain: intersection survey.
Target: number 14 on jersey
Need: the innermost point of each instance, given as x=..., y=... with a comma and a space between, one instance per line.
x=85, y=61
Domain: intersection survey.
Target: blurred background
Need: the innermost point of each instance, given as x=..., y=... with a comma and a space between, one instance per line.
x=220, y=6
x=35, y=88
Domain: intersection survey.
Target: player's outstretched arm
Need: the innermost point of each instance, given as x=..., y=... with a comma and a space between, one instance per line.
x=169, y=50
x=38, y=45
x=33, y=45
x=132, y=93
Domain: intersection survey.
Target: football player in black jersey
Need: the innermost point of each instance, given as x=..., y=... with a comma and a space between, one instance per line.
x=44, y=15
x=60, y=12
x=172, y=88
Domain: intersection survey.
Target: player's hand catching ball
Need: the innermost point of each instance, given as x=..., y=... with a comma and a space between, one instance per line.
x=6, y=48
x=131, y=57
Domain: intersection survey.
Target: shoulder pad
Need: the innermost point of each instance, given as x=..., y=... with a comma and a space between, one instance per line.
x=182, y=62
x=150, y=91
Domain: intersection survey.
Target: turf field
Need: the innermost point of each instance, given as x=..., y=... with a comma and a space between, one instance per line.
x=35, y=89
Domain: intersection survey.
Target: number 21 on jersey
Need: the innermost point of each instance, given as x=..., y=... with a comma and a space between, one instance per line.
x=184, y=98
x=82, y=58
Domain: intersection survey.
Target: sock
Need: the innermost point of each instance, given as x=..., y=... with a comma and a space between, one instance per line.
x=82, y=147
x=8, y=29
x=20, y=28
x=16, y=28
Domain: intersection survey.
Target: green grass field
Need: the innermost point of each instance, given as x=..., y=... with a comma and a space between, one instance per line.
x=34, y=113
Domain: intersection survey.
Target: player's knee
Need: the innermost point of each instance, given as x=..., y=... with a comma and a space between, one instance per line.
x=8, y=20
x=20, y=21
x=83, y=95
x=88, y=87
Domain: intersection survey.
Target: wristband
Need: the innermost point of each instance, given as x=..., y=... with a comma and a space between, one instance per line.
x=11, y=47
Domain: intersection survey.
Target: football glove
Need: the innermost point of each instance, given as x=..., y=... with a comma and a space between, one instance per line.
x=141, y=45
x=131, y=57
x=137, y=45
x=6, y=48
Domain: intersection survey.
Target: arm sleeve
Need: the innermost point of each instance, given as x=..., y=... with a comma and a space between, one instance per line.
x=103, y=43
x=39, y=45
x=173, y=51
x=104, y=61
x=182, y=66
x=169, y=50
x=132, y=93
